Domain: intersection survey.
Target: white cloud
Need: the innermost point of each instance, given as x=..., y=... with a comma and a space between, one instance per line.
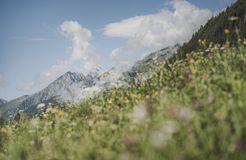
x=125, y=28
x=79, y=37
x=155, y=31
x=82, y=58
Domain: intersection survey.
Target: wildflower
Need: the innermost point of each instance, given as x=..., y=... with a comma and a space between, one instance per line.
x=184, y=113
x=221, y=114
x=204, y=42
x=90, y=122
x=130, y=141
x=160, y=137
x=74, y=124
x=34, y=122
x=52, y=110
x=96, y=109
x=61, y=113
x=125, y=156
x=210, y=99
x=139, y=113
x=197, y=104
x=244, y=42
x=227, y=31
x=6, y=130
x=48, y=110
x=113, y=127
x=233, y=18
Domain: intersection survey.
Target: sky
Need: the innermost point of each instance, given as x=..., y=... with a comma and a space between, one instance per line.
x=41, y=40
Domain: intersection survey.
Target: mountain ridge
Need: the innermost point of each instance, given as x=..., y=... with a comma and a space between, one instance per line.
x=229, y=25
x=72, y=87
x=63, y=88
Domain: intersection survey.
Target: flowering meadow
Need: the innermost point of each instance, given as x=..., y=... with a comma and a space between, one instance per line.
x=194, y=108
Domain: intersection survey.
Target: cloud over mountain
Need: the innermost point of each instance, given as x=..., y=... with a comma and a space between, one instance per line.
x=79, y=37
x=82, y=54
x=83, y=57
x=174, y=24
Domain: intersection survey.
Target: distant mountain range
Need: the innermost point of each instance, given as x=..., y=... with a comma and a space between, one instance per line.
x=70, y=88
x=144, y=66
x=74, y=87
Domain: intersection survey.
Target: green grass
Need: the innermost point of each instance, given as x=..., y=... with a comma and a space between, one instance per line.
x=191, y=109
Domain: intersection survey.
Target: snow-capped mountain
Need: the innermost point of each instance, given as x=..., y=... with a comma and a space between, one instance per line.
x=73, y=87
x=164, y=53
x=2, y=101
x=143, y=66
x=70, y=87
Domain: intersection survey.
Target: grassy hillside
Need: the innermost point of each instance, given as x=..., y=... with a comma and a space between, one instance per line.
x=230, y=24
x=191, y=109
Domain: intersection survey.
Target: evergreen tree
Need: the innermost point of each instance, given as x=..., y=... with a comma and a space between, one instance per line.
x=229, y=25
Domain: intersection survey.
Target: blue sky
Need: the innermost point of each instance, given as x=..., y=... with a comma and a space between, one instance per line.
x=38, y=37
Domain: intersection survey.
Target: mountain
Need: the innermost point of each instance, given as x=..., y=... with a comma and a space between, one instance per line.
x=228, y=25
x=70, y=88
x=10, y=107
x=2, y=101
x=146, y=65
x=73, y=87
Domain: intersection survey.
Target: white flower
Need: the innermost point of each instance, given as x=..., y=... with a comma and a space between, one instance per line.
x=139, y=113
x=160, y=137
x=90, y=122
x=96, y=109
x=184, y=113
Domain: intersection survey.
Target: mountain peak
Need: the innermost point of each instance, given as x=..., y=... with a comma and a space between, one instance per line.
x=71, y=76
x=68, y=73
x=69, y=87
x=76, y=76
x=2, y=101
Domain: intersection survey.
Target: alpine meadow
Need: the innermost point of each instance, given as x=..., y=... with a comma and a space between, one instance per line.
x=185, y=101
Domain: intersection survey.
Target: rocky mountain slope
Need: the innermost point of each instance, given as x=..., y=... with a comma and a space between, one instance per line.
x=70, y=88
x=74, y=87
x=11, y=107
x=2, y=101
x=144, y=68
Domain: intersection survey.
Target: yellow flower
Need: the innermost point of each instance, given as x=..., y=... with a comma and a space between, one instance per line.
x=233, y=18
x=6, y=130
x=244, y=42
x=60, y=113
x=227, y=31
